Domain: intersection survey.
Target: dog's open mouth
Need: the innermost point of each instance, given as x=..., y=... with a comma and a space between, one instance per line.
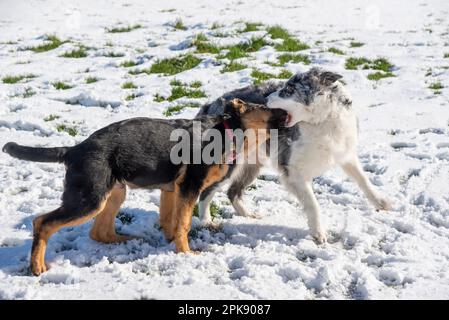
x=288, y=119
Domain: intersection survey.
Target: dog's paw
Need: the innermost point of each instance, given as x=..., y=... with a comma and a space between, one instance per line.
x=254, y=215
x=38, y=268
x=382, y=203
x=319, y=237
x=209, y=224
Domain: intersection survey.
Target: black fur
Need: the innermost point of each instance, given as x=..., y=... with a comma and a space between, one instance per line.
x=35, y=154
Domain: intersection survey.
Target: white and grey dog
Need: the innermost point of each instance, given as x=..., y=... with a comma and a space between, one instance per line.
x=321, y=134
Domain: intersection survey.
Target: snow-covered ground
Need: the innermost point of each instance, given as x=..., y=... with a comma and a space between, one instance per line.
x=404, y=147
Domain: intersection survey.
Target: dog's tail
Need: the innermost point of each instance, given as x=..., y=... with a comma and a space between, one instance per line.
x=35, y=154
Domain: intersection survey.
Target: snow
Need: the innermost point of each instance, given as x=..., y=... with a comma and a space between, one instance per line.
x=401, y=254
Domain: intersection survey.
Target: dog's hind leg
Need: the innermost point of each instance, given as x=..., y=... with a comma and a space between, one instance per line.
x=245, y=176
x=354, y=170
x=46, y=225
x=302, y=189
x=103, y=229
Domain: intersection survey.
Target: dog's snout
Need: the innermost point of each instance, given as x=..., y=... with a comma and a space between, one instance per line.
x=279, y=116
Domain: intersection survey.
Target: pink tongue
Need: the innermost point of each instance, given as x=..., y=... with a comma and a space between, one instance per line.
x=288, y=118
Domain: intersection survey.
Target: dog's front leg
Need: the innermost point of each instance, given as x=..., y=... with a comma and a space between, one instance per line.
x=303, y=190
x=354, y=170
x=183, y=222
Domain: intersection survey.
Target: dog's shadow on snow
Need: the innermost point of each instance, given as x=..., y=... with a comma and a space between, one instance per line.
x=249, y=234
x=73, y=244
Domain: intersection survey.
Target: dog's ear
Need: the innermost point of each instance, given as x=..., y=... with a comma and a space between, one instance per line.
x=239, y=105
x=327, y=78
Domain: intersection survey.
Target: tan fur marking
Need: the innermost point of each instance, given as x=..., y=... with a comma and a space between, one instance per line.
x=184, y=208
x=256, y=119
x=167, y=211
x=216, y=173
x=238, y=104
x=168, y=206
x=103, y=229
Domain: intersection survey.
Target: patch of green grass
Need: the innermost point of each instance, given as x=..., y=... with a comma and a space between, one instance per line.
x=290, y=45
x=436, y=86
x=129, y=85
x=175, y=65
x=91, y=80
x=336, y=51
x=354, y=63
x=255, y=44
x=111, y=54
x=446, y=55
x=216, y=25
x=178, y=108
x=168, y=10
x=241, y=50
x=159, y=98
x=381, y=64
x=181, y=91
x=128, y=64
x=29, y=92
x=260, y=76
x=277, y=32
x=196, y=84
x=51, y=117
x=295, y=58
x=379, y=75
x=284, y=74
x=201, y=37
x=251, y=26
x=428, y=72
x=52, y=42
x=235, y=52
x=233, y=66
x=179, y=25
x=15, y=79
x=75, y=53
x=355, y=44
x=124, y=29
x=130, y=97
x=70, y=130
x=59, y=85
x=176, y=82
x=203, y=46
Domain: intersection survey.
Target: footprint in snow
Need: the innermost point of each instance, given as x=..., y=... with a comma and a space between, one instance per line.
x=401, y=145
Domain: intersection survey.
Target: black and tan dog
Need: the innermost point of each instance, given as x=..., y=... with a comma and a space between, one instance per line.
x=133, y=153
